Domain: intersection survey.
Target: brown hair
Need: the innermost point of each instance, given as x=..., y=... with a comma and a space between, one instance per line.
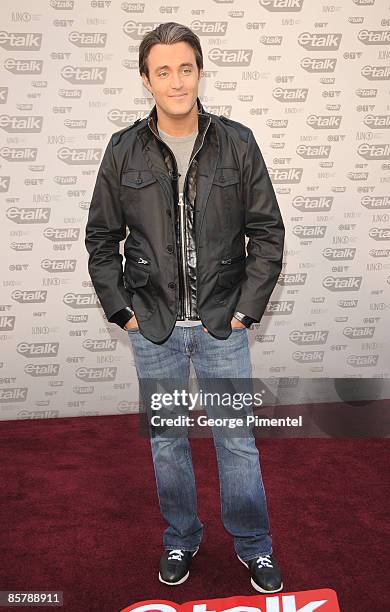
x=168, y=34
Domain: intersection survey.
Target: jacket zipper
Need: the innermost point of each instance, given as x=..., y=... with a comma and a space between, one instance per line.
x=176, y=172
x=181, y=203
x=188, y=305
x=231, y=260
x=183, y=254
x=140, y=260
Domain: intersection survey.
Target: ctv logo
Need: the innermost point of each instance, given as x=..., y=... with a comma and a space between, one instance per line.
x=324, y=600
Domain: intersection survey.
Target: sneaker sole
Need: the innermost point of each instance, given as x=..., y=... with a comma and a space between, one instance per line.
x=256, y=586
x=181, y=579
x=174, y=583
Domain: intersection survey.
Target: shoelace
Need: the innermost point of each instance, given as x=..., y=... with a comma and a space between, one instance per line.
x=176, y=554
x=264, y=561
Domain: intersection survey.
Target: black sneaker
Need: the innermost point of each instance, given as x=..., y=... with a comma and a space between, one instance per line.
x=174, y=565
x=266, y=576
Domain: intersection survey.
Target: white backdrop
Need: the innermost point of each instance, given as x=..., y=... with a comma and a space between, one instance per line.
x=312, y=81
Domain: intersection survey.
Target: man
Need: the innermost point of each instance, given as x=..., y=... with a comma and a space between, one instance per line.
x=190, y=185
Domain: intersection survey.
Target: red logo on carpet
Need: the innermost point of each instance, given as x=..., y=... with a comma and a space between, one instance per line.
x=324, y=600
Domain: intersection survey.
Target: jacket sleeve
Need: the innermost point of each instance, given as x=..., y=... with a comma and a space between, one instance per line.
x=105, y=229
x=265, y=230
x=247, y=321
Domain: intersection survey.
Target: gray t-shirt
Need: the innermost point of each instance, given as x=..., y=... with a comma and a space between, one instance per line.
x=181, y=147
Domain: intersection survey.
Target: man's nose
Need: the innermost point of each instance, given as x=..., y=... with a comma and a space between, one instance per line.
x=176, y=81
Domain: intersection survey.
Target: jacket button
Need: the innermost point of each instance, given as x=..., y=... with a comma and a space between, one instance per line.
x=168, y=212
x=138, y=181
x=171, y=285
x=170, y=248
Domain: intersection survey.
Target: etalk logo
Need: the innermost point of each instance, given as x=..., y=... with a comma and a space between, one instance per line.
x=324, y=600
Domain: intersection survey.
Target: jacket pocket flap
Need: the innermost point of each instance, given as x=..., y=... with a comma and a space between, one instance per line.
x=137, y=178
x=226, y=176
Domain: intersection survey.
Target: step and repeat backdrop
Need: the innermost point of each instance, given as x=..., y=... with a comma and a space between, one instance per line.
x=310, y=78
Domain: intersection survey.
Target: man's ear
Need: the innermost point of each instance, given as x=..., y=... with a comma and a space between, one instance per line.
x=146, y=82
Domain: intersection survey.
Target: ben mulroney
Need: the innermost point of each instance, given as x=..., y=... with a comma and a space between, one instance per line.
x=190, y=186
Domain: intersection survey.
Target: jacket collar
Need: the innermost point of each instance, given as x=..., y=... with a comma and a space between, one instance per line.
x=204, y=118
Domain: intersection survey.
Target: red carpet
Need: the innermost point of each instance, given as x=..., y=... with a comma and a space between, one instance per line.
x=79, y=513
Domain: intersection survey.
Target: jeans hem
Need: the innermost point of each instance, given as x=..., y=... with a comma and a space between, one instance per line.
x=261, y=554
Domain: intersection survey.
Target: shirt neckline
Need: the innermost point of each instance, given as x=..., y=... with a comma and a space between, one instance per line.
x=177, y=138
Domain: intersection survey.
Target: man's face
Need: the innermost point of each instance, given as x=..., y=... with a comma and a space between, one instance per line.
x=173, y=78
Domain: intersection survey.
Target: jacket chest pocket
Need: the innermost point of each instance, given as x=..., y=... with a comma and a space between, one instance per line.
x=225, y=193
x=137, y=179
x=226, y=177
x=137, y=188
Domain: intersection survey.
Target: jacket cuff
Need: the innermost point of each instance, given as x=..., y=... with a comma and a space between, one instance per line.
x=245, y=319
x=122, y=316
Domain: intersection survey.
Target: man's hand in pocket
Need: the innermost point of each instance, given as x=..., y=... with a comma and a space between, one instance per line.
x=236, y=323
x=233, y=323
x=132, y=323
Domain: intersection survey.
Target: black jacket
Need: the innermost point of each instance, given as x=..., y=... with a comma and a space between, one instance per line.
x=188, y=257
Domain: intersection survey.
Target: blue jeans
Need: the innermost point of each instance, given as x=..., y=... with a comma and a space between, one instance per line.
x=243, y=501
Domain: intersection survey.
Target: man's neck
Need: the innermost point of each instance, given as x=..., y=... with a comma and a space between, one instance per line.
x=181, y=126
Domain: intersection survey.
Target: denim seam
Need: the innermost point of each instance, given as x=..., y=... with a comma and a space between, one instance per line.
x=220, y=477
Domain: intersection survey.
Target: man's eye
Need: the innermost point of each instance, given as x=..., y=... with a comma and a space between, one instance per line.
x=184, y=69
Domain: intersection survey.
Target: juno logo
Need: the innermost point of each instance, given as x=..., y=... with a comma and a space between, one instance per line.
x=324, y=600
